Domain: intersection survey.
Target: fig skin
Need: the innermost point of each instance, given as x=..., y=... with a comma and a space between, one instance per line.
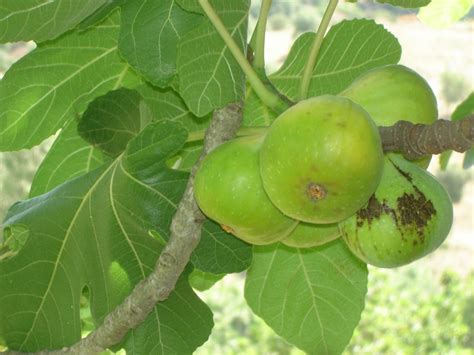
x=408, y=217
x=321, y=160
x=308, y=235
x=229, y=190
x=394, y=93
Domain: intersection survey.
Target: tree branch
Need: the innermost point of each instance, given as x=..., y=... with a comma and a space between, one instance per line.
x=415, y=141
x=185, y=236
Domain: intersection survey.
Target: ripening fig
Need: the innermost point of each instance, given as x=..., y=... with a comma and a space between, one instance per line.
x=308, y=235
x=408, y=217
x=229, y=190
x=321, y=159
x=393, y=93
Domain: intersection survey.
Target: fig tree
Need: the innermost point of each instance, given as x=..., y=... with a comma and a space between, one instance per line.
x=229, y=190
x=393, y=93
x=307, y=235
x=321, y=159
x=408, y=217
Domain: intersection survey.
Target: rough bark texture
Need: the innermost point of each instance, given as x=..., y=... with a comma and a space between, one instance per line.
x=416, y=140
x=185, y=236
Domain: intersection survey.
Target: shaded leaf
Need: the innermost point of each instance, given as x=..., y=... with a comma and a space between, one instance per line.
x=40, y=20
x=349, y=49
x=112, y=120
x=89, y=231
x=468, y=159
x=54, y=82
x=209, y=76
x=311, y=297
x=255, y=112
x=148, y=36
x=100, y=14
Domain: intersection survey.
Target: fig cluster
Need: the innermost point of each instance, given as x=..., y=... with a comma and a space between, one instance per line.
x=319, y=173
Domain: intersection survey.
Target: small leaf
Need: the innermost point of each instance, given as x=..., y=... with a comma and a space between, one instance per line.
x=50, y=85
x=148, y=36
x=209, y=76
x=406, y=3
x=112, y=120
x=313, y=297
x=24, y=20
x=349, y=49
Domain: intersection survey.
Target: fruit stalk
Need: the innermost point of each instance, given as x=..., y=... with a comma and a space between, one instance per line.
x=258, y=38
x=313, y=55
x=418, y=140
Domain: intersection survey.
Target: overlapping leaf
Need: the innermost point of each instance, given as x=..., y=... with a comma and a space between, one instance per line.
x=112, y=120
x=209, y=76
x=349, y=49
x=406, y=3
x=40, y=20
x=89, y=231
x=100, y=14
x=148, y=36
x=53, y=83
x=70, y=156
x=312, y=297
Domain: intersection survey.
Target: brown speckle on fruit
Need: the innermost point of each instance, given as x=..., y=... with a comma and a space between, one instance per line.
x=415, y=211
x=315, y=192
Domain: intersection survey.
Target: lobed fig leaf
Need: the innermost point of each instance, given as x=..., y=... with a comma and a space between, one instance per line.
x=321, y=159
x=408, y=217
x=229, y=190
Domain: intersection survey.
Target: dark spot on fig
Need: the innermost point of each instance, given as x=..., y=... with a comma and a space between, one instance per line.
x=372, y=211
x=403, y=173
x=415, y=212
x=341, y=124
x=315, y=192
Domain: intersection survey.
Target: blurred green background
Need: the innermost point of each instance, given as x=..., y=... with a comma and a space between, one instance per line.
x=424, y=308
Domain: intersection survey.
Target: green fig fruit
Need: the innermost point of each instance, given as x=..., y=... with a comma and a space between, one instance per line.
x=229, y=190
x=408, y=217
x=321, y=159
x=308, y=235
x=393, y=93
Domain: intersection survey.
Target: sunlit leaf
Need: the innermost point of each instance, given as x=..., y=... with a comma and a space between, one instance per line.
x=313, y=297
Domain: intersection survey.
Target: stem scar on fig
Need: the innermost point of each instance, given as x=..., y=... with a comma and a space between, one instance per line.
x=227, y=229
x=315, y=191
